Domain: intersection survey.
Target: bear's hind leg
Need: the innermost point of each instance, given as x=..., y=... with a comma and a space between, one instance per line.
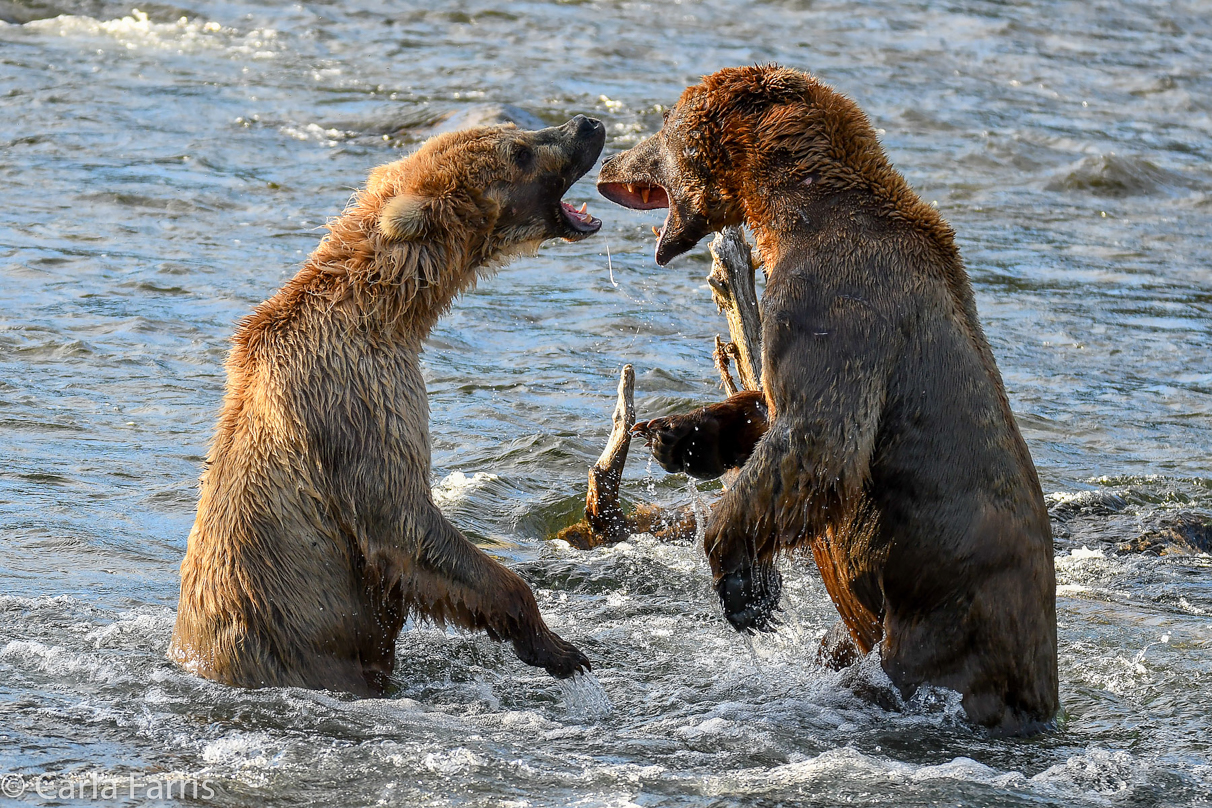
x=377, y=642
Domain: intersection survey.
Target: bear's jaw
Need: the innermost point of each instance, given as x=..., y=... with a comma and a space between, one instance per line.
x=644, y=194
x=532, y=205
x=638, y=195
x=684, y=224
x=580, y=224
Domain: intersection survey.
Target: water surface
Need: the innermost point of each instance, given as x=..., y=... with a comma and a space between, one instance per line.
x=165, y=170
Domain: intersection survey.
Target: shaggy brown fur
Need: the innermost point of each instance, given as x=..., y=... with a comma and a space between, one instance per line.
x=316, y=534
x=892, y=452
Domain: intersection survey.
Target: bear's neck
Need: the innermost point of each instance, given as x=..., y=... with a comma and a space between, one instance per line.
x=826, y=224
x=401, y=290
x=785, y=224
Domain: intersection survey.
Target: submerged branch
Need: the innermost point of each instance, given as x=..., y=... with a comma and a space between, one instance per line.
x=603, y=511
x=605, y=522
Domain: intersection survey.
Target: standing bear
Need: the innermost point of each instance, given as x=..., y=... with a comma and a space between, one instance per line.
x=316, y=532
x=891, y=451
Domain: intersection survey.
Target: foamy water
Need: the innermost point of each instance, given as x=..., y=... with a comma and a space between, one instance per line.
x=166, y=168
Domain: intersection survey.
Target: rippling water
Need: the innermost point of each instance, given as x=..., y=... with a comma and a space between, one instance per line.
x=165, y=170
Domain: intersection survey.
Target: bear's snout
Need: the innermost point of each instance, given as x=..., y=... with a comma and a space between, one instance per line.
x=587, y=138
x=585, y=127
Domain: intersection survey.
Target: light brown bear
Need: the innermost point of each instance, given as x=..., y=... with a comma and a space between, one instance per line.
x=316, y=532
x=891, y=452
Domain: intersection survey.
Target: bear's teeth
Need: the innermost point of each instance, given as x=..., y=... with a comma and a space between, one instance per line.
x=644, y=192
x=580, y=215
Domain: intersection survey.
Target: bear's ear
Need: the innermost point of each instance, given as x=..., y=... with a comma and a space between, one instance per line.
x=405, y=216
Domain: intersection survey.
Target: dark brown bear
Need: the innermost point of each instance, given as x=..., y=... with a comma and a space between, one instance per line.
x=891, y=450
x=316, y=533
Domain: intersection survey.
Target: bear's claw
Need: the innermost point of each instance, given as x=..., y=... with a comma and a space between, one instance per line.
x=558, y=657
x=678, y=444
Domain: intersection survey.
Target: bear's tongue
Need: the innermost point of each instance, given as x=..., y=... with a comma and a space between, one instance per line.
x=580, y=219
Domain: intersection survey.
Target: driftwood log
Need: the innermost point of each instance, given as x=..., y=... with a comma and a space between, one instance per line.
x=605, y=522
x=735, y=294
x=603, y=512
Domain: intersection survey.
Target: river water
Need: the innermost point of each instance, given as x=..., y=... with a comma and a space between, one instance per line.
x=166, y=169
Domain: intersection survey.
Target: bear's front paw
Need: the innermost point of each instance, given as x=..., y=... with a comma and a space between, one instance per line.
x=750, y=597
x=679, y=443
x=556, y=656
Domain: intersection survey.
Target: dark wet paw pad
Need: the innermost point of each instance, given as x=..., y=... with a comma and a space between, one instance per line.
x=750, y=597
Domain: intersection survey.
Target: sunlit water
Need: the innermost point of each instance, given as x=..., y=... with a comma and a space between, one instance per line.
x=162, y=172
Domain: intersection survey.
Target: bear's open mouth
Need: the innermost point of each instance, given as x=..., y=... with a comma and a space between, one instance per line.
x=635, y=195
x=580, y=223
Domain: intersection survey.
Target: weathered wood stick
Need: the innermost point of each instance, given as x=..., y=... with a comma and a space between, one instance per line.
x=603, y=511
x=605, y=522
x=735, y=293
x=722, y=358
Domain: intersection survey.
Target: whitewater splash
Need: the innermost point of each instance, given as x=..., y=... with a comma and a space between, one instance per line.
x=185, y=35
x=584, y=697
x=457, y=486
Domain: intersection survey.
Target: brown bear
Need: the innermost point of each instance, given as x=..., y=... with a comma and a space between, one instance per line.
x=316, y=532
x=891, y=451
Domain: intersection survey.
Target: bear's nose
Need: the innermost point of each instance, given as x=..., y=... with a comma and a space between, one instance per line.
x=582, y=126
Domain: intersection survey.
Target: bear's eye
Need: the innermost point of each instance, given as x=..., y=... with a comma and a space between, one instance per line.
x=523, y=156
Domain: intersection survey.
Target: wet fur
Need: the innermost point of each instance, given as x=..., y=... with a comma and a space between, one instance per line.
x=892, y=454
x=708, y=441
x=316, y=534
